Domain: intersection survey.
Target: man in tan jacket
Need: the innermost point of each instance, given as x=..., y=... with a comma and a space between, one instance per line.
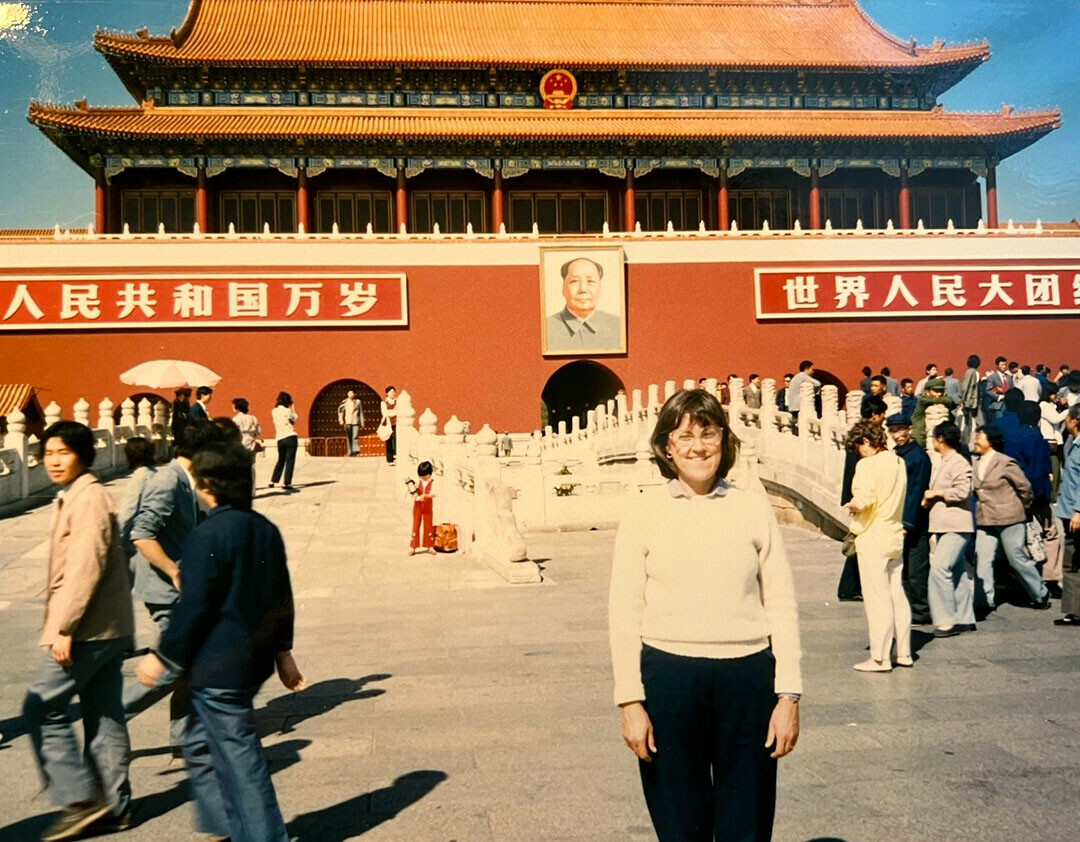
x=88, y=627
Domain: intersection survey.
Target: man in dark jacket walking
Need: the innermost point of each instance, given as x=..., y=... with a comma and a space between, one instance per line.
x=916, y=518
x=232, y=626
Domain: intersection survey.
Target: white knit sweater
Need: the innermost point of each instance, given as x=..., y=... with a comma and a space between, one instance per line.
x=703, y=576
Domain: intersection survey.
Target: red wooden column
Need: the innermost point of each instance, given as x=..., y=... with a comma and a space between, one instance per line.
x=202, y=203
x=497, y=201
x=401, y=202
x=991, y=198
x=101, y=202
x=629, y=207
x=905, y=200
x=815, y=199
x=724, y=215
x=302, y=203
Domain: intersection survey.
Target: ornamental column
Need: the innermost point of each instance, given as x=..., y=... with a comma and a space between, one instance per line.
x=629, y=206
x=905, y=200
x=991, y=197
x=101, y=202
x=724, y=215
x=202, y=203
x=302, y=204
x=401, y=202
x=497, y=201
x=815, y=199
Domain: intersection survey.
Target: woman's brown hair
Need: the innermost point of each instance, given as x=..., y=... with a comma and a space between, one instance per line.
x=706, y=411
x=866, y=430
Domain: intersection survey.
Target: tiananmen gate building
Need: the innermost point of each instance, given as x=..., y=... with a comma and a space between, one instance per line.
x=362, y=191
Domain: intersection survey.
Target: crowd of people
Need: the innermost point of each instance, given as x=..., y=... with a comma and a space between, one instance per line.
x=996, y=514
x=212, y=575
x=706, y=655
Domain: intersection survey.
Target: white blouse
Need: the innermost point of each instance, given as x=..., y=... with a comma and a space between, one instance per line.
x=284, y=418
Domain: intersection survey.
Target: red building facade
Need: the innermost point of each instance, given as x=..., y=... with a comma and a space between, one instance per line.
x=491, y=131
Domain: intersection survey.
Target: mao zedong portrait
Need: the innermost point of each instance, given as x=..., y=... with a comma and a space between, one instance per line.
x=579, y=325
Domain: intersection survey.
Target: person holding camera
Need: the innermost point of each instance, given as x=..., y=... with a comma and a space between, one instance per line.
x=423, y=528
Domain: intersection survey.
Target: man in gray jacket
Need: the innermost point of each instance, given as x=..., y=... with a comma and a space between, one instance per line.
x=169, y=511
x=350, y=415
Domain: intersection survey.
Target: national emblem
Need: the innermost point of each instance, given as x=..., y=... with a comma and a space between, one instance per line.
x=558, y=89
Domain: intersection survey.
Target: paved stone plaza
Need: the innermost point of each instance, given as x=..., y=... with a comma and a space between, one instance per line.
x=444, y=705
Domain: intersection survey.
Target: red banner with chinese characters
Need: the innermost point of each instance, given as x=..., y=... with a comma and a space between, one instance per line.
x=854, y=292
x=122, y=299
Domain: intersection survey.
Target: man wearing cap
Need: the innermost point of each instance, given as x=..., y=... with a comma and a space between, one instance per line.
x=933, y=394
x=915, y=518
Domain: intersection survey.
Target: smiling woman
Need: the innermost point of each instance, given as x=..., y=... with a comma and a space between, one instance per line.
x=704, y=635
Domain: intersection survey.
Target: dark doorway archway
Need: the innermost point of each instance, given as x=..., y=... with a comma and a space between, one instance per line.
x=576, y=388
x=326, y=434
x=827, y=378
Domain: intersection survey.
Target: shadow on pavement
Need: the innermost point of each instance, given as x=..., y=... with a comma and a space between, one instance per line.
x=360, y=814
x=282, y=714
x=919, y=639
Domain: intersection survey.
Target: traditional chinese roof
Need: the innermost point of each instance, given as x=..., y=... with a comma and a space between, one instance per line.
x=15, y=396
x=825, y=34
x=1007, y=131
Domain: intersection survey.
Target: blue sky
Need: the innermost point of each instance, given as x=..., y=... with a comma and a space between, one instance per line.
x=1035, y=64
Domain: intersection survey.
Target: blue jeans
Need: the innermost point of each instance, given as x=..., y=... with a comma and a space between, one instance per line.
x=227, y=771
x=352, y=433
x=102, y=766
x=1013, y=540
x=138, y=698
x=951, y=584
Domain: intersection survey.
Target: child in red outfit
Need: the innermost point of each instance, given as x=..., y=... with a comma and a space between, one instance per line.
x=422, y=515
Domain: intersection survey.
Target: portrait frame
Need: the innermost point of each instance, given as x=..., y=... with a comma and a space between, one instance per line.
x=556, y=339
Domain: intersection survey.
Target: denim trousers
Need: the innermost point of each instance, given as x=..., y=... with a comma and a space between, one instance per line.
x=1013, y=541
x=227, y=771
x=712, y=777
x=352, y=433
x=138, y=698
x=1070, y=586
x=951, y=583
x=286, y=459
x=101, y=768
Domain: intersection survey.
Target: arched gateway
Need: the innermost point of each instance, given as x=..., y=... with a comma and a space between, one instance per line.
x=327, y=435
x=576, y=388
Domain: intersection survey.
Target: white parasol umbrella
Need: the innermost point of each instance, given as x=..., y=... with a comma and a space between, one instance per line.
x=165, y=374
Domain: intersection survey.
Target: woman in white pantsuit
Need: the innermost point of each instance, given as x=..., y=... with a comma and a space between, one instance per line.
x=878, y=492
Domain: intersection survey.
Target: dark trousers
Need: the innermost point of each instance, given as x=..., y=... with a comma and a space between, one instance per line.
x=227, y=771
x=850, y=586
x=391, y=445
x=1070, y=585
x=917, y=573
x=712, y=777
x=138, y=698
x=101, y=768
x=286, y=459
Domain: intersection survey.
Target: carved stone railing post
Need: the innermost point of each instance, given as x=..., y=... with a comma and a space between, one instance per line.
x=689, y=384
x=427, y=442
x=405, y=462
x=16, y=440
x=669, y=390
x=498, y=538
x=735, y=397
x=852, y=407
x=82, y=412
x=53, y=413
x=127, y=420
x=105, y=419
x=893, y=405
x=144, y=424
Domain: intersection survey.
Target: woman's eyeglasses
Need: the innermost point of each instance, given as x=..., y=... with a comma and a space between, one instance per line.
x=710, y=437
